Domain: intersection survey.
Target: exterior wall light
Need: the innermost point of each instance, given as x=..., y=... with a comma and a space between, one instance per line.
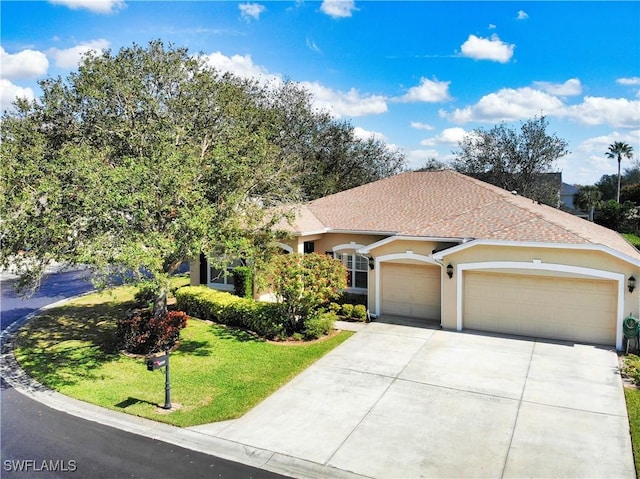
x=631, y=283
x=450, y=270
x=372, y=263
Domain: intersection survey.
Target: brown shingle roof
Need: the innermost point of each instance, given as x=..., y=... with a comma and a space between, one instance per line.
x=446, y=204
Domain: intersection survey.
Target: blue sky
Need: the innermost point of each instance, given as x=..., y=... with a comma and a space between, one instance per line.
x=419, y=75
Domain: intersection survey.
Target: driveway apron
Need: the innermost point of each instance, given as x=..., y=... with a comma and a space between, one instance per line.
x=401, y=401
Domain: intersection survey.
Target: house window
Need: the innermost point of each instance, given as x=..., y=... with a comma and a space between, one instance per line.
x=357, y=269
x=223, y=278
x=309, y=247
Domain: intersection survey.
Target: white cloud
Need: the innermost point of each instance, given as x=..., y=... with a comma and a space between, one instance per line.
x=97, y=6
x=251, y=10
x=569, y=88
x=26, y=64
x=522, y=15
x=492, y=26
x=616, y=112
x=628, y=81
x=449, y=136
x=338, y=8
x=311, y=45
x=242, y=66
x=351, y=103
x=421, y=126
x=9, y=92
x=429, y=91
x=600, y=144
x=70, y=57
x=506, y=105
x=487, y=49
x=417, y=158
x=363, y=134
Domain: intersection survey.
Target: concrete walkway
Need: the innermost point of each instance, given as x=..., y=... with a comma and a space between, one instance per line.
x=400, y=401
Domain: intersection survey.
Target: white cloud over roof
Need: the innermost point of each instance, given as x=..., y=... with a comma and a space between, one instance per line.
x=491, y=48
x=449, y=136
x=507, y=104
x=97, y=6
x=616, y=112
x=26, y=64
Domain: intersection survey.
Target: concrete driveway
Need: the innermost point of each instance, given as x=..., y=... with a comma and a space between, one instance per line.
x=399, y=401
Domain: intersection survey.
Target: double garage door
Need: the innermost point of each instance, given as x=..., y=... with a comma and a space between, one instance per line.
x=574, y=309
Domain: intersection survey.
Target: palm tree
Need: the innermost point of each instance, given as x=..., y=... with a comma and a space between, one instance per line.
x=617, y=150
x=588, y=199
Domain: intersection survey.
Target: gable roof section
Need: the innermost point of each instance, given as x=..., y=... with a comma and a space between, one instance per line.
x=447, y=204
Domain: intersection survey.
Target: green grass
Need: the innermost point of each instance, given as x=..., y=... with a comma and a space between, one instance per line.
x=631, y=369
x=632, y=397
x=633, y=239
x=216, y=374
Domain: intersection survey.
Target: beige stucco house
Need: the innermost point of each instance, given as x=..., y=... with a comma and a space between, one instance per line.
x=440, y=246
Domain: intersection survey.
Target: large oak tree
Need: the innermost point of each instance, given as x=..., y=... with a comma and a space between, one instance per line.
x=136, y=163
x=514, y=160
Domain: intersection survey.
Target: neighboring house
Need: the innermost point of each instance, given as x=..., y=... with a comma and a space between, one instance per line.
x=441, y=246
x=567, y=203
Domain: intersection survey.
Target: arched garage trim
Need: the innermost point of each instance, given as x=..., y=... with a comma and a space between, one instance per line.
x=285, y=247
x=550, y=267
x=409, y=255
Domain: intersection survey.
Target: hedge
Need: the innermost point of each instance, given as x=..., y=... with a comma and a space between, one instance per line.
x=202, y=302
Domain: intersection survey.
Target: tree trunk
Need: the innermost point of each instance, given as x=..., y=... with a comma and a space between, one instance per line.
x=618, y=195
x=160, y=302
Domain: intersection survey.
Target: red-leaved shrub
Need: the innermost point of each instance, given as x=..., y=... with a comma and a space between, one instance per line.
x=142, y=333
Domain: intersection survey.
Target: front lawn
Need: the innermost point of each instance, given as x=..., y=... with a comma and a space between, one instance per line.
x=217, y=373
x=631, y=370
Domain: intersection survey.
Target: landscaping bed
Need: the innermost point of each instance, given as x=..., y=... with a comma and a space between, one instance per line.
x=217, y=372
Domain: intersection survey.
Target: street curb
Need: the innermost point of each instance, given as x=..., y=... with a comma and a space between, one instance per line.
x=194, y=440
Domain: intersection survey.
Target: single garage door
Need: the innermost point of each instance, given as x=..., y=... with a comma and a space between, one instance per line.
x=410, y=290
x=582, y=310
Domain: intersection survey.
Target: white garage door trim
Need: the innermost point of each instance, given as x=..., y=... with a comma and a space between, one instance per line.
x=539, y=266
x=394, y=257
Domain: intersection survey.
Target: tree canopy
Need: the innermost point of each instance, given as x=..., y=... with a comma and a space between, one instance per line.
x=514, y=160
x=617, y=150
x=140, y=160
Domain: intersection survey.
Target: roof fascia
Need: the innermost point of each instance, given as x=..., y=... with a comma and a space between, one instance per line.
x=532, y=244
x=391, y=239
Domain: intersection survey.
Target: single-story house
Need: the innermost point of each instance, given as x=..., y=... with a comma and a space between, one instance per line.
x=441, y=246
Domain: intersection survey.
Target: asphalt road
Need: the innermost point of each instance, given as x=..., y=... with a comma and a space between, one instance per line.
x=54, y=287
x=39, y=442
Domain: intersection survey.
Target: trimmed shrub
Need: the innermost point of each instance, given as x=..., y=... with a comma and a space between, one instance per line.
x=202, y=302
x=359, y=312
x=347, y=310
x=317, y=327
x=335, y=308
x=351, y=298
x=142, y=333
x=243, y=281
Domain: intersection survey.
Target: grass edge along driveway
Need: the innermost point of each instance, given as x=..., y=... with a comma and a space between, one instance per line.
x=217, y=373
